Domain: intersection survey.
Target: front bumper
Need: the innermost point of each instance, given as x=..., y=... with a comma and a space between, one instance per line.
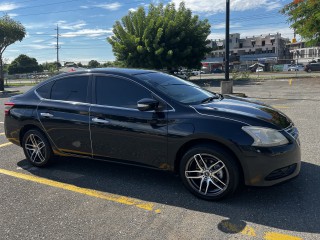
x=270, y=166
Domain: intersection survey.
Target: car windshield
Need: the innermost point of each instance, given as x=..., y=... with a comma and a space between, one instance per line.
x=178, y=89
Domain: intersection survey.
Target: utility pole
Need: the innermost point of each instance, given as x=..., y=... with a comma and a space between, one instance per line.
x=227, y=84
x=227, y=59
x=57, y=46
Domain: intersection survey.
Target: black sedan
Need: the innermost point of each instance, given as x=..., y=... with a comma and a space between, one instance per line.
x=148, y=118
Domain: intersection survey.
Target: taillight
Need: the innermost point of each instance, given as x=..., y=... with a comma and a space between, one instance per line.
x=7, y=107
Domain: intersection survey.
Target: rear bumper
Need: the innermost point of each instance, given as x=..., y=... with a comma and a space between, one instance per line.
x=12, y=130
x=270, y=166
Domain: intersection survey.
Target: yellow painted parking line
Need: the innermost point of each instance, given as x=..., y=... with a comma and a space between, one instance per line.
x=280, y=106
x=234, y=228
x=1, y=134
x=279, y=236
x=290, y=81
x=250, y=231
x=93, y=193
x=5, y=144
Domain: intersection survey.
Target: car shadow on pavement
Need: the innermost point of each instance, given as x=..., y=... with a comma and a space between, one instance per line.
x=293, y=205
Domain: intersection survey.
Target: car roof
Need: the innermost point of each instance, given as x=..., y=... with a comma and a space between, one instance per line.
x=121, y=71
x=117, y=71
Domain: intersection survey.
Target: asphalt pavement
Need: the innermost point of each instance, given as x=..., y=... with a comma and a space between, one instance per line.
x=85, y=199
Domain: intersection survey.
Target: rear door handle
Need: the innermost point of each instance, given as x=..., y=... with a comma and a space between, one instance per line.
x=99, y=120
x=48, y=115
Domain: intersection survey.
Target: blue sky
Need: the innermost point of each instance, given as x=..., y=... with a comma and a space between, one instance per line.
x=85, y=24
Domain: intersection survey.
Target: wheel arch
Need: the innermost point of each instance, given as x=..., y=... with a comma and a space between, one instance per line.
x=28, y=127
x=196, y=142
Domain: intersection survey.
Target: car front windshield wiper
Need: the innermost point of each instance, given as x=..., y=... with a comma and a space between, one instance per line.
x=209, y=99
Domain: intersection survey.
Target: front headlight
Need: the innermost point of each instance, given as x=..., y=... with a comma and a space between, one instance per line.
x=265, y=137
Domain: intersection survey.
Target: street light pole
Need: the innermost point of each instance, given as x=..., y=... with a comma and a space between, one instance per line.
x=227, y=84
x=227, y=49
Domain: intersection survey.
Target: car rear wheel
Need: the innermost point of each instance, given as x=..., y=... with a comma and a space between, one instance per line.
x=209, y=172
x=309, y=70
x=36, y=148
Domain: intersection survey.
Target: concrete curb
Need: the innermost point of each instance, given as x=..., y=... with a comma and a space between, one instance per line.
x=237, y=95
x=9, y=92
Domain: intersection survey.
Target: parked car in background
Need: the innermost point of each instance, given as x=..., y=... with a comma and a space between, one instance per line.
x=259, y=69
x=298, y=67
x=312, y=67
x=197, y=72
x=152, y=119
x=217, y=70
x=181, y=75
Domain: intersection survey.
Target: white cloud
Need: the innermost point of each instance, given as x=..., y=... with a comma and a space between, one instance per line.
x=8, y=6
x=37, y=46
x=109, y=6
x=273, y=6
x=54, y=43
x=133, y=9
x=84, y=7
x=222, y=25
x=87, y=33
x=38, y=41
x=217, y=6
x=13, y=15
x=38, y=25
x=71, y=26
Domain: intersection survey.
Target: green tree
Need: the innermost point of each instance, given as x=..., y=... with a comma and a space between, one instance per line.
x=113, y=64
x=93, y=64
x=50, y=66
x=304, y=16
x=162, y=38
x=24, y=64
x=10, y=32
x=108, y=64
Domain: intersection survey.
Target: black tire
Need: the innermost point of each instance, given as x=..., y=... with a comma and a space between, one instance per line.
x=216, y=179
x=309, y=70
x=37, y=148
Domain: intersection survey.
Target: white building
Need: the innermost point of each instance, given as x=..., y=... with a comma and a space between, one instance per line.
x=269, y=48
x=302, y=54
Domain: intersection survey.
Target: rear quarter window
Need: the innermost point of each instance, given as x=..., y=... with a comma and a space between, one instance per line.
x=45, y=90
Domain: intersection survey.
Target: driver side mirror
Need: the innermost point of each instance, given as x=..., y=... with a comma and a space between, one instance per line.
x=147, y=104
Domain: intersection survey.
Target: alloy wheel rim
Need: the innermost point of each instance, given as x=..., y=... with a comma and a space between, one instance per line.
x=207, y=174
x=36, y=148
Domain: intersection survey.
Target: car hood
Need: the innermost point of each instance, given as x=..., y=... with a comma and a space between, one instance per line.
x=245, y=110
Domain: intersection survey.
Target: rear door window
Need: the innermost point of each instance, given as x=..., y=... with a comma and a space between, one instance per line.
x=119, y=92
x=71, y=89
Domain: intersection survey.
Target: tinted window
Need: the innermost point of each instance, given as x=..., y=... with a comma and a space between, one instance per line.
x=119, y=92
x=44, y=91
x=70, y=89
x=158, y=78
x=176, y=88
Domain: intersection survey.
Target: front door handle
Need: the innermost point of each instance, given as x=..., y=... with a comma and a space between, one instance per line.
x=99, y=120
x=48, y=115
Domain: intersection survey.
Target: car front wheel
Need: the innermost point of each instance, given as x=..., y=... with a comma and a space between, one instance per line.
x=36, y=148
x=209, y=172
